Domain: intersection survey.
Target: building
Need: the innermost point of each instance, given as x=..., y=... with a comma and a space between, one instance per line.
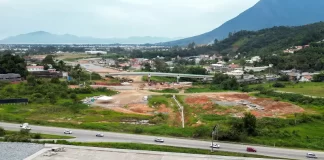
x=47, y=74
x=12, y=77
x=254, y=59
x=34, y=68
x=219, y=67
x=235, y=73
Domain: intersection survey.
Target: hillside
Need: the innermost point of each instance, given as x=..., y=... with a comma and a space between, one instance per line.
x=272, y=39
x=264, y=14
x=42, y=37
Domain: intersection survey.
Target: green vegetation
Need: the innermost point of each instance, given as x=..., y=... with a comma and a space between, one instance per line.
x=12, y=64
x=308, y=88
x=150, y=147
x=166, y=91
x=39, y=135
x=26, y=136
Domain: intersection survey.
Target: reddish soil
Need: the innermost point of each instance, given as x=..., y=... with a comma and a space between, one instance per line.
x=164, y=109
x=271, y=108
x=140, y=108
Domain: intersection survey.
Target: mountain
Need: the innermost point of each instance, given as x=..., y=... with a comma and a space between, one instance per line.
x=41, y=37
x=264, y=14
x=270, y=40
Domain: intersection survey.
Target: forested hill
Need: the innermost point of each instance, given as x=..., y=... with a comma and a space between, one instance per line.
x=270, y=40
x=264, y=14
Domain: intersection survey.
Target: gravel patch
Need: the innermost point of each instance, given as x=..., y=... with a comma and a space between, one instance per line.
x=18, y=151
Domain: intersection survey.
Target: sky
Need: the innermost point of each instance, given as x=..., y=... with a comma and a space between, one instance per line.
x=118, y=18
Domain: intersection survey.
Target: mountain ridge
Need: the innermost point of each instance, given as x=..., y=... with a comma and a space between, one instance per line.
x=43, y=37
x=264, y=14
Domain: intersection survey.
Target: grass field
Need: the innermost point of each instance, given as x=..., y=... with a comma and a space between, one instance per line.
x=308, y=88
x=166, y=91
x=74, y=56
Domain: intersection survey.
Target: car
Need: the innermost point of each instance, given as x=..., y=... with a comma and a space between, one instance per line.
x=67, y=132
x=214, y=145
x=311, y=155
x=159, y=140
x=250, y=149
x=99, y=135
x=25, y=126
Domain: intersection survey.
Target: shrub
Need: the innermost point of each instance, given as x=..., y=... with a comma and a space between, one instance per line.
x=2, y=132
x=138, y=130
x=278, y=85
x=37, y=136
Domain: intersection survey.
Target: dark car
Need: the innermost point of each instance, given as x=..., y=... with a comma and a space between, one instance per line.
x=250, y=149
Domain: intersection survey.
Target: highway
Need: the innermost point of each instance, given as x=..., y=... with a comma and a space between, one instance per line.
x=89, y=136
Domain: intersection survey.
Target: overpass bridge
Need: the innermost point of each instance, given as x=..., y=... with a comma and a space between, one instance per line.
x=159, y=74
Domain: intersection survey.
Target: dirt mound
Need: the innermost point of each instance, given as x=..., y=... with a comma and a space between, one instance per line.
x=140, y=108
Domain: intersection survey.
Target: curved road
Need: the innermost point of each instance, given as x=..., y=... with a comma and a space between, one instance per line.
x=89, y=136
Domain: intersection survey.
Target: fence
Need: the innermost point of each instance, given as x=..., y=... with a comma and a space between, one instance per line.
x=13, y=101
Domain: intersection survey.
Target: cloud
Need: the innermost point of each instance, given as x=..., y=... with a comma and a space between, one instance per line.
x=118, y=18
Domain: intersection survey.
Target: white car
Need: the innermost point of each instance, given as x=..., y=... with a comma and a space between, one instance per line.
x=214, y=145
x=25, y=126
x=159, y=140
x=67, y=132
x=99, y=135
x=311, y=155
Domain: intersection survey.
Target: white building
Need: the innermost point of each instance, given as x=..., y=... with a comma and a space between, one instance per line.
x=254, y=59
x=35, y=68
x=236, y=73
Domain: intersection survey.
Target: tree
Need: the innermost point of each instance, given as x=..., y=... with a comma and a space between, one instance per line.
x=160, y=66
x=147, y=67
x=226, y=59
x=249, y=121
x=48, y=60
x=13, y=64
x=31, y=80
x=197, y=70
x=318, y=77
x=192, y=45
x=283, y=78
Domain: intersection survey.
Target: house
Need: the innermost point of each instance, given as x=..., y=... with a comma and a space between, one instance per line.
x=34, y=68
x=12, y=77
x=219, y=67
x=254, y=59
x=235, y=73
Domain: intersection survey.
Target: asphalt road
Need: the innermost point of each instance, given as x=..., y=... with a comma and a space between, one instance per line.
x=89, y=136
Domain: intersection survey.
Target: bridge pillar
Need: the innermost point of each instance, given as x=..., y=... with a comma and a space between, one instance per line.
x=205, y=79
x=149, y=78
x=178, y=78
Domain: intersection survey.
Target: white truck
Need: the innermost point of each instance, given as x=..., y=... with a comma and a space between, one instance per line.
x=25, y=126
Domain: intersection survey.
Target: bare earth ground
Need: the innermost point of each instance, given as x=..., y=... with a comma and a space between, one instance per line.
x=271, y=108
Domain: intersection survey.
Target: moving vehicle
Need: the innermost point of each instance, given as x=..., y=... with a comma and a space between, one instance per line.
x=311, y=155
x=159, y=140
x=25, y=126
x=214, y=145
x=99, y=135
x=67, y=131
x=250, y=149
